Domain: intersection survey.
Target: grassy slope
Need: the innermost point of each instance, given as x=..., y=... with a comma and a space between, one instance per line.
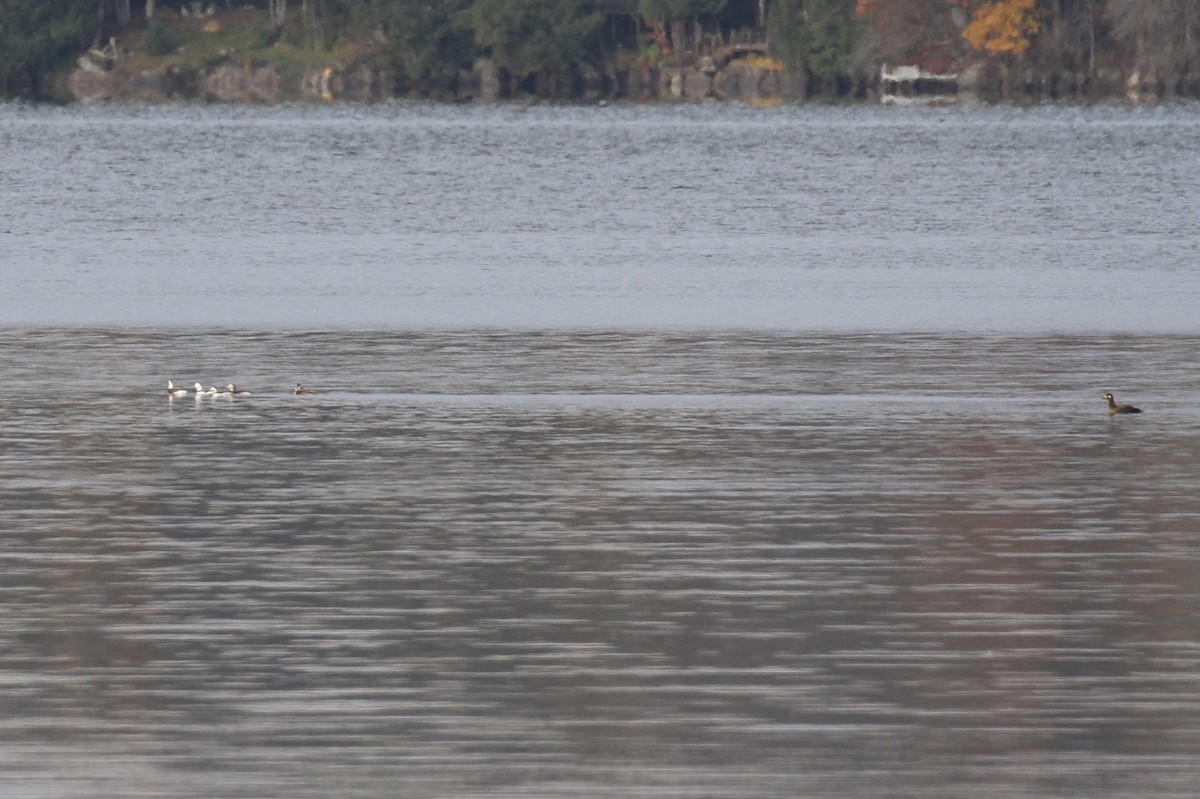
x=241, y=36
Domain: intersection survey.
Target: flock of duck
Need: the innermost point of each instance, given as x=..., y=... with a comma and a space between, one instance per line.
x=230, y=390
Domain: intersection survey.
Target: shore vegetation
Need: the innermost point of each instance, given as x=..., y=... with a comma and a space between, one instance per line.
x=836, y=47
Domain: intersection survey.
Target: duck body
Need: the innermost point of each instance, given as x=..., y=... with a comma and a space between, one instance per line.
x=232, y=389
x=299, y=389
x=1114, y=408
x=175, y=392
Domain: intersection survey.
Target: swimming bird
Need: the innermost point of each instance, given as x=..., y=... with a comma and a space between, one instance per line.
x=232, y=389
x=299, y=389
x=213, y=391
x=175, y=392
x=200, y=392
x=1113, y=407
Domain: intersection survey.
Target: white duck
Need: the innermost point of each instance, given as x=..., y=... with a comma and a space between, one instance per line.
x=175, y=392
x=232, y=389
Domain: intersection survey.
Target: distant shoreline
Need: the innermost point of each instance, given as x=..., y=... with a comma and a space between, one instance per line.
x=97, y=79
x=225, y=58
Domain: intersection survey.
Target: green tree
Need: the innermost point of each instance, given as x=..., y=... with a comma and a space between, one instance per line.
x=526, y=36
x=815, y=36
x=36, y=36
x=832, y=32
x=158, y=40
x=788, y=33
x=419, y=36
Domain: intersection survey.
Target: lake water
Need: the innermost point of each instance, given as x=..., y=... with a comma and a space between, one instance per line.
x=401, y=216
x=656, y=452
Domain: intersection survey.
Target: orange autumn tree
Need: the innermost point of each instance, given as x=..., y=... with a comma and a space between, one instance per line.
x=1003, y=26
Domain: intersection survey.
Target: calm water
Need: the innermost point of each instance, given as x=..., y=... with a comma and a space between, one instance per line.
x=656, y=453
x=401, y=216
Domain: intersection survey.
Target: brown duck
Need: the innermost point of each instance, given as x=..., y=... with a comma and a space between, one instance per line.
x=1113, y=407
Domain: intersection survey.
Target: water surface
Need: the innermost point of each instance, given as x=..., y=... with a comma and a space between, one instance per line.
x=399, y=216
x=656, y=453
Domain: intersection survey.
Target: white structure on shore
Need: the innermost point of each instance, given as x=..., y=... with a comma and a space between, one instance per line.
x=909, y=85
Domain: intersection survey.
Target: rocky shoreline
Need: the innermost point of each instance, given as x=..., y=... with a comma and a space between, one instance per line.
x=750, y=80
x=740, y=76
x=212, y=70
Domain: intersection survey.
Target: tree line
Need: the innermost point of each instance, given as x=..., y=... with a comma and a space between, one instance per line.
x=832, y=41
x=1152, y=40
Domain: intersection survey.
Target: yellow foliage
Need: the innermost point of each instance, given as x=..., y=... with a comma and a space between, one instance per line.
x=1003, y=26
x=763, y=63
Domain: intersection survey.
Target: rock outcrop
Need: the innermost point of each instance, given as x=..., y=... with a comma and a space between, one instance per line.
x=749, y=80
